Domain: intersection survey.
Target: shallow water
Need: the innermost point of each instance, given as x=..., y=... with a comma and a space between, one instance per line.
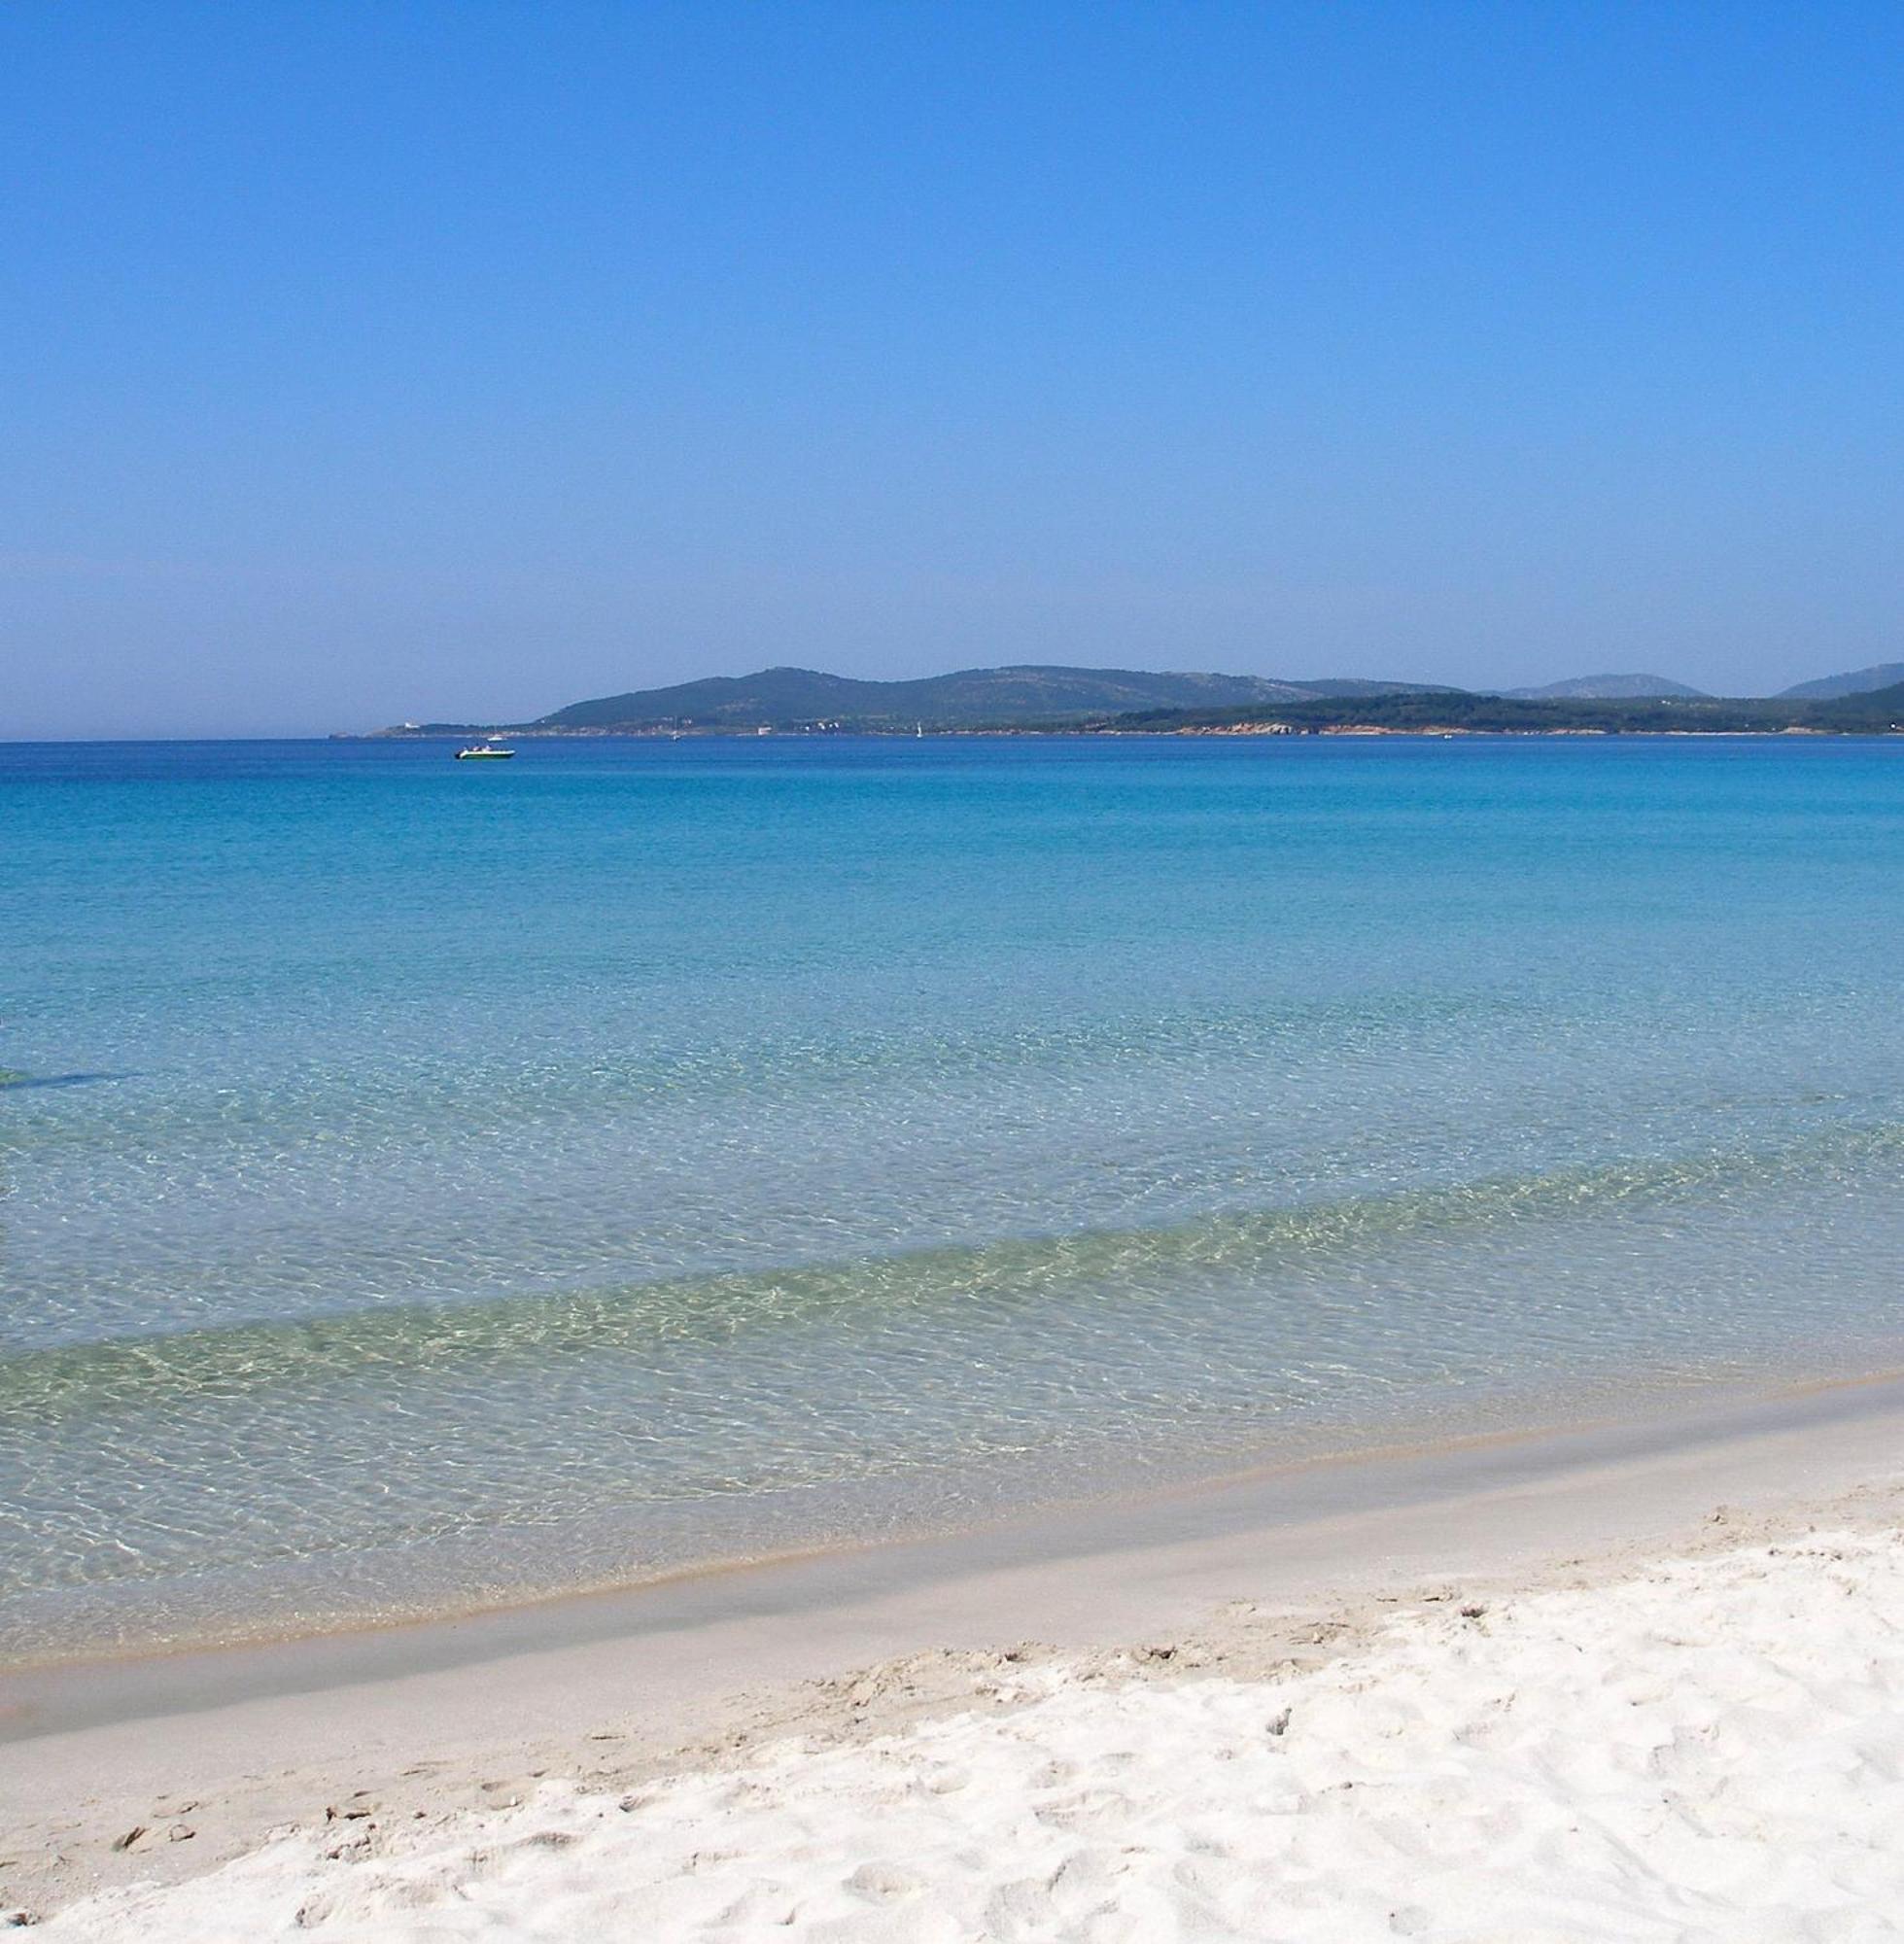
x=426, y=1183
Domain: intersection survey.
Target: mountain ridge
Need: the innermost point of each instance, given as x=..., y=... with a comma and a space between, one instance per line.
x=1059, y=696
x=1609, y=688
x=1857, y=681
x=1015, y=692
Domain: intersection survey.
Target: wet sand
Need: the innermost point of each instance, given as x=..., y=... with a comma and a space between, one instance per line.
x=1281, y=1566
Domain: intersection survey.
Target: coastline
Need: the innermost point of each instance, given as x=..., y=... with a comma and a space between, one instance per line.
x=1062, y=1501
x=1425, y=732
x=611, y=1689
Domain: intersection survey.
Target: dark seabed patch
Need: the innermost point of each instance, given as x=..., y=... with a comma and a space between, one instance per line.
x=11, y=1082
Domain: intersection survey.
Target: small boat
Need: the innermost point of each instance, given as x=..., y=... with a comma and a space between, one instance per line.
x=488, y=751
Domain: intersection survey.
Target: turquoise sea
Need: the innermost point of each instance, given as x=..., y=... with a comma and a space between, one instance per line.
x=423, y=1183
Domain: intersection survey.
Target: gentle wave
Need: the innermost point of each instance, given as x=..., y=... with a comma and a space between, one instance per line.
x=1014, y=1274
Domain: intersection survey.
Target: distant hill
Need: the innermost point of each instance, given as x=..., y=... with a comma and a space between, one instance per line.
x=1339, y=686
x=1865, y=709
x=1397, y=712
x=1038, y=697
x=1607, y=688
x=793, y=697
x=1860, y=681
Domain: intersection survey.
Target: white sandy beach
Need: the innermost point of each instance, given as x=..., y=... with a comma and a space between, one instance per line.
x=1652, y=1698
x=1711, y=1749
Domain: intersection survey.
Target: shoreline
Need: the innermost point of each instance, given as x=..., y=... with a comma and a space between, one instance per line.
x=1422, y=1464
x=1422, y=1453
x=615, y=1687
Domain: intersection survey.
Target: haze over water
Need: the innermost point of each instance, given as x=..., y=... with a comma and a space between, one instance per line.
x=425, y=1183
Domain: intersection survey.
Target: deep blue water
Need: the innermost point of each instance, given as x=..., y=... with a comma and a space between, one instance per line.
x=423, y=1181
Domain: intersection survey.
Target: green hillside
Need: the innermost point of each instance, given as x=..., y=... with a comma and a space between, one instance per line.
x=1877, y=713
x=793, y=697
x=1859, y=682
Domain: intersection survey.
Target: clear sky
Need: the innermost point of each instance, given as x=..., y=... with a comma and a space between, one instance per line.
x=459, y=360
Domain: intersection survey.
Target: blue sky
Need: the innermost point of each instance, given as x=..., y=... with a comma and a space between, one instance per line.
x=364, y=361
